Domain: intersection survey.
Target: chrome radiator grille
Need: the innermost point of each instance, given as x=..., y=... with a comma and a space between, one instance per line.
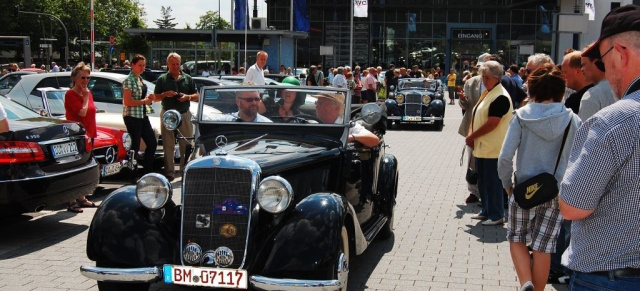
x=213, y=192
x=413, y=98
x=413, y=105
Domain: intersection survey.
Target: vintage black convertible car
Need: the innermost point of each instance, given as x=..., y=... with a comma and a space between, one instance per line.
x=279, y=205
x=416, y=100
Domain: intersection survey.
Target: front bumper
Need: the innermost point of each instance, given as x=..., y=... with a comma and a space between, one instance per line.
x=406, y=118
x=154, y=274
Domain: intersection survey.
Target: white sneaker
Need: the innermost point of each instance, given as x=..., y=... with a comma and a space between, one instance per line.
x=527, y=286
x=493, y=222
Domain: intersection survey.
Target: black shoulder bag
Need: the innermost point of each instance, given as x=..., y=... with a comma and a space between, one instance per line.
x=540, y=188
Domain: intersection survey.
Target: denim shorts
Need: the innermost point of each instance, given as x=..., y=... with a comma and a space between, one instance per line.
x=603, y=282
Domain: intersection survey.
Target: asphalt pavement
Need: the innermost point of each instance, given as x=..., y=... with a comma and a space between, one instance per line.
x=436, y=245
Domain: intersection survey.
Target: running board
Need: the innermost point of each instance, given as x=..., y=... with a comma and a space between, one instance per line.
x=376, y=226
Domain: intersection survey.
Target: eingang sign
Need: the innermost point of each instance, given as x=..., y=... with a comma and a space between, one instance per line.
x=471, y=34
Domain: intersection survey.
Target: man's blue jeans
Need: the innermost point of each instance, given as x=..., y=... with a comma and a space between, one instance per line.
x=596, y=282
x=561, y=245
x=490, y=188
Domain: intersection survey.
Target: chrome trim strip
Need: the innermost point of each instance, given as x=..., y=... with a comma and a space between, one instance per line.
x=132, y=275
x=266, y=283
x=394, y=117
x=91, y=164
x=227, y=162
x=59, y=140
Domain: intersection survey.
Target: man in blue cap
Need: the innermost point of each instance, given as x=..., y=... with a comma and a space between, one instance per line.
x=601, y=189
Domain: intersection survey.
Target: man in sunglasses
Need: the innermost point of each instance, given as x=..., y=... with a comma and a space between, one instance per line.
x=248, y=106
x=600, y=189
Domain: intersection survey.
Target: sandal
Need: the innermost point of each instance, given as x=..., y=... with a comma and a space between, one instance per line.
x=75, y=209
x=85, y=203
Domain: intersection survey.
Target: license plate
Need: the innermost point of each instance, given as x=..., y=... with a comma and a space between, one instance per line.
x=412, y=118
x=206, y=277
x=64, y=149
x=111, y=169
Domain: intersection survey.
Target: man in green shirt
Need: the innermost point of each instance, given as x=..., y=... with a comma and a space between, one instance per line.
x=176, y=90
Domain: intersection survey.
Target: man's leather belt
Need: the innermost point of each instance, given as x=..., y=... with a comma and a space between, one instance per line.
x=626, y=272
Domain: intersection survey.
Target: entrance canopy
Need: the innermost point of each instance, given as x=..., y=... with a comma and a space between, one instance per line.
x=254, y=37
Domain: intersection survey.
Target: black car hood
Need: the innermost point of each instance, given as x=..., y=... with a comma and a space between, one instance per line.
x=42, y=129
x=277, y=154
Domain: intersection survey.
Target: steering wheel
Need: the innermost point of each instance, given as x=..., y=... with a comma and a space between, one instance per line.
x=302, y=118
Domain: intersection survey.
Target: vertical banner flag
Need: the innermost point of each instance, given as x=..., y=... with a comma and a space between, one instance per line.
x=360, y=8
x=300, y=16
x=590, y=9
x=411, y=22
x=240, y=15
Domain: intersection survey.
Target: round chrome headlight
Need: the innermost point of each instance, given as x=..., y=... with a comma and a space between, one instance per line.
x=171, y=119
x=153, y=191
x=126, y=141
x=426, y=99
x=274, y=194
x=400, y=98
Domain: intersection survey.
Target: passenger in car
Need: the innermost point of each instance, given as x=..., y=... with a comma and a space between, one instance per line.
x=248, y=107
x=330, y=109
x=287, y=107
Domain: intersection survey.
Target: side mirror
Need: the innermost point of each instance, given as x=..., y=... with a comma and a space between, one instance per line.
x=171, y=119
x=371, y=113
x=44, y=113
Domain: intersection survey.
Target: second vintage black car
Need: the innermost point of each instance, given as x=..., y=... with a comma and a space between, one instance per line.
x=283, y=203
x=416, y=100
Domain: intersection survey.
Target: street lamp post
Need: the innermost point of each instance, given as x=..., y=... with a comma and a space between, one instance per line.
x=66, y=49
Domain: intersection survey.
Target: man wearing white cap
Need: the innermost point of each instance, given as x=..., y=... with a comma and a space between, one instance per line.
x=330, y=109
x=472, y=90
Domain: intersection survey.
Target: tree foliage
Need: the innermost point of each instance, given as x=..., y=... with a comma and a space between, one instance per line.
x=166, y=21
x=211, y=20
x=111, y=17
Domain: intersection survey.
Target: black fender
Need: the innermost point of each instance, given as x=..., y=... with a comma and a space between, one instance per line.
x=393, y=108
x=308, y=244
x=436, y=108
x=388, y=181
x=123, y=233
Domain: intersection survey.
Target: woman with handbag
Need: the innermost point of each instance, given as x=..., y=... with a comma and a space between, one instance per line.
x=542, y=134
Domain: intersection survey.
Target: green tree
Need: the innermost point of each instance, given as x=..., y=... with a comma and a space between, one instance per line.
x=111, y=17
x=165, y=21
x=211, y=20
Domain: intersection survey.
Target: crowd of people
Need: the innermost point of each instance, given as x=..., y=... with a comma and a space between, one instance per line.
x=578, y=122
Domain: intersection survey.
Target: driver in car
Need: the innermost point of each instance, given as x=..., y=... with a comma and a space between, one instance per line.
x=330, y=109
x=248, y=106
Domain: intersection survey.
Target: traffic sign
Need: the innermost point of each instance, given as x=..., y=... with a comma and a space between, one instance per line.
x=112, y=40
x=111, y=49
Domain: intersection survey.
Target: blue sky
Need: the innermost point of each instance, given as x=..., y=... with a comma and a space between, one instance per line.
x=189, y=11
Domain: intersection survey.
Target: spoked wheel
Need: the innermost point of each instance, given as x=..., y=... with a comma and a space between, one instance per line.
x=342, y=268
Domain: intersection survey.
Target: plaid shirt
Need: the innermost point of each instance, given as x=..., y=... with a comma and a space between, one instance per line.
x=130, y=83
x=603, y=176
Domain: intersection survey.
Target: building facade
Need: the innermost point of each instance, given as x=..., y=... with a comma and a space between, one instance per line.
x=428, y=33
